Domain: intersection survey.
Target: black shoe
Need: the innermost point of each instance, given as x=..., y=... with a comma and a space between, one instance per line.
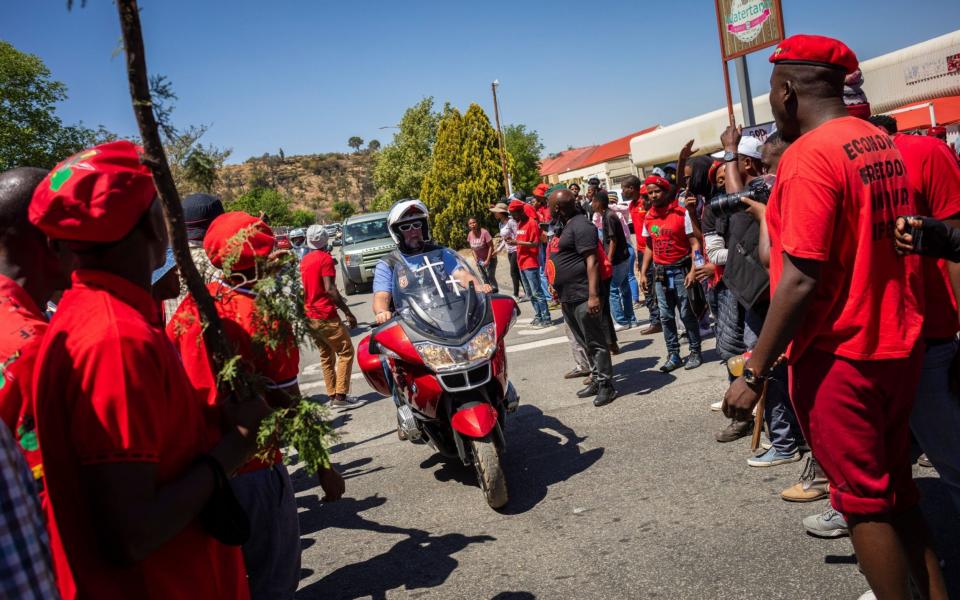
x=693, y=361
x=605, y=396
x=590, y=390
x=734, y=431
x=673, y=363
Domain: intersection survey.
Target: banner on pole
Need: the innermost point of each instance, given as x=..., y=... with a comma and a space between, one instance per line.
x=748, y=25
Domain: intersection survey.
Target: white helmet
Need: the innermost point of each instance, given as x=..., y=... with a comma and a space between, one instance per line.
x=299, y=232
x=404, y=211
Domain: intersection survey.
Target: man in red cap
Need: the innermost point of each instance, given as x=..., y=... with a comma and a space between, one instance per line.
x=127, y=465
x=239, y=245
x=528, y=241
x=846, y=310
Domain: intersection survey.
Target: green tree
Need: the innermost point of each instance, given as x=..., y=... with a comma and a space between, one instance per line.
x=355, y=142
x=273, y=205
x=342, y=209
x=466, y=175
x=302, y=218
x=373, y=145
x=195, y=167
x=31, y=134
x=525, y=149
x=401, y=165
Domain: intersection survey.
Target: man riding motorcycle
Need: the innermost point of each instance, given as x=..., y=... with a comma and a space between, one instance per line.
x=408, y=224
x=298, y=239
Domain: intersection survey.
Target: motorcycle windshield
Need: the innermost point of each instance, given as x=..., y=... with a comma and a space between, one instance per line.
x=436, y=293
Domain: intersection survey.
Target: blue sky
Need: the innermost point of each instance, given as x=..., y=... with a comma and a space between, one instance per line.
x=305, y=75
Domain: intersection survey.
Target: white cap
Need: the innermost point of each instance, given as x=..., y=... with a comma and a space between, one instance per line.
x=749, y=146
x=317, y=237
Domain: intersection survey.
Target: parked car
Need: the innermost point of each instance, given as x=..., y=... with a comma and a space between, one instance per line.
x=365, y=240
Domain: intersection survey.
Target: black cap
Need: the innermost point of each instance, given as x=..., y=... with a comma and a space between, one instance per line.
x=199, y=210
x=593, y=181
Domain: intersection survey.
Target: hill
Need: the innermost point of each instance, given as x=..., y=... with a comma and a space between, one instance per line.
x=313, y=182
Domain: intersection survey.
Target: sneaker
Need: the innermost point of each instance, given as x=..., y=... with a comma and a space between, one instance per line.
x=868, y=595
x=717, y=406
x=652, y=329
x=543, y=324
x=693, y=361
x=673, y=363
x=734, y=431
x=620, y=327
x=534, y=322
x=605, y=396
x=773, y=458
x=828, y=524
x=812, y=486
x=347, y=402
x=575, y=373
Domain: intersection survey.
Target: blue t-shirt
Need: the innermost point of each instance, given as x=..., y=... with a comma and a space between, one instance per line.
x=383, y=273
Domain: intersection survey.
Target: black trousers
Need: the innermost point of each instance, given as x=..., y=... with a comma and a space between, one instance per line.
x=591, y=332
x=514, y=272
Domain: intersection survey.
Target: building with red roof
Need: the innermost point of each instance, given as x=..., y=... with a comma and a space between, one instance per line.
x=609, y=162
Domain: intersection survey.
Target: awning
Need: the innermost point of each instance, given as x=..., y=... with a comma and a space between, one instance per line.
x=917, y=114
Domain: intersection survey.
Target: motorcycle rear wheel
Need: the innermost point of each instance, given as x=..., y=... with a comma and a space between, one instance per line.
x=490, y=475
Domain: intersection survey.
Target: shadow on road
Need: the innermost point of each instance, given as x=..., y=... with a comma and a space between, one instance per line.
x=640, y=376
x=514, y=596
x=421, y=560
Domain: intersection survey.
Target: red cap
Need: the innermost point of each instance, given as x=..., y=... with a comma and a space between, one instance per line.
x=97, y=195
x=238, y=234
x=516, y=205
x=816, y=50
x=643, y=190
x=658, y=181
x=937, y=131
x=541, y=190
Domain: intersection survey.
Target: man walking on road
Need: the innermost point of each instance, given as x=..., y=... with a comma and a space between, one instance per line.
x=527, y=242
x=575, y=272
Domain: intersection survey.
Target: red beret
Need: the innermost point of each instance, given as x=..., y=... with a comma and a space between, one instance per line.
x=97, y=195
x=658, y=181
x=816, y=50
x=239, y=235
x=643, y=190
x=516, y=205
x=541, y=190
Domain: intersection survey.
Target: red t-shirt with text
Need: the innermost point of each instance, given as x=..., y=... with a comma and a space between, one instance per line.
x=313, y=268
x=109, y=388
x=839, y=189
x=935, y=177
x=528, y=257
x=666, y=228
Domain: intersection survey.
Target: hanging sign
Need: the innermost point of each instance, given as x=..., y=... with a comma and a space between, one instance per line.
x=748, y=25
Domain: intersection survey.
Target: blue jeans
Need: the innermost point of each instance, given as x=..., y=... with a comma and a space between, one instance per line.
x=672, y=297
x=544, y=284
x=785, y=434
x=632, y=275
x=621, y=302
x=531, y=286
x=935, y=420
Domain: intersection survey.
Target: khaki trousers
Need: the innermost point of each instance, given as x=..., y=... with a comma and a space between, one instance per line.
x=336, y=354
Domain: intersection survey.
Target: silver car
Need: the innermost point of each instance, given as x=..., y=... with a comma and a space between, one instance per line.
x=365, y=241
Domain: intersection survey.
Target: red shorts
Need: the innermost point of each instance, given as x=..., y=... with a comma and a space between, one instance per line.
x=856, y=416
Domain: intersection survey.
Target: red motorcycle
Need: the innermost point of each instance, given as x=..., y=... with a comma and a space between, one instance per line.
x=441, y=357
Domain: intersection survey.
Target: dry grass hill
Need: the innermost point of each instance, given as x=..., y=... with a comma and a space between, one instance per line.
x=313, y=182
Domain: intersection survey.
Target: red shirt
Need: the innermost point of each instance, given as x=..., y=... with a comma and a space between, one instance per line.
x=22, y=326
x=313, y=268
x=528, y=257
x=839, y=189
x=530, y=211
x=109, y=388
x=543, y=213
x=241, y=323
x=669, y=229
x=935, y=177
x=637, y=216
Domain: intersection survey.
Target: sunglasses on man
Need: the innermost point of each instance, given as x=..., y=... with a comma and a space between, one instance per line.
x=409, y=226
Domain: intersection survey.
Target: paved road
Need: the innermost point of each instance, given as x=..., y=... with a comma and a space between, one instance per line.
x=633, y=500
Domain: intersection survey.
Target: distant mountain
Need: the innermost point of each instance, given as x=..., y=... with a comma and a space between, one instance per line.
x=313, y=182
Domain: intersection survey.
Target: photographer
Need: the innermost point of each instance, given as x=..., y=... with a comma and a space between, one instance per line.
x=747, y=279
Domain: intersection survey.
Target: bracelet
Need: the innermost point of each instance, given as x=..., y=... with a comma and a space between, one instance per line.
x=219, y=475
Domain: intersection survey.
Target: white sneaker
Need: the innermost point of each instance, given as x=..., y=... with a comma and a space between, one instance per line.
x=716, y=406
x=619, y=327
x=347, y=402
x=868, y=595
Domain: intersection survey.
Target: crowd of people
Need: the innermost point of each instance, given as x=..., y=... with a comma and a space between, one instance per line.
x=127, y=472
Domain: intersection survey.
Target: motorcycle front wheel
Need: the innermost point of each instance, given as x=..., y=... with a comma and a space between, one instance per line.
x=490, y=475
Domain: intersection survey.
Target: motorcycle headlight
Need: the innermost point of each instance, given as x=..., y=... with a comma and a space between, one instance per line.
x=451, y=358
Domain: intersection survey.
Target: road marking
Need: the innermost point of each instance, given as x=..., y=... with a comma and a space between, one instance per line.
x=538, y=331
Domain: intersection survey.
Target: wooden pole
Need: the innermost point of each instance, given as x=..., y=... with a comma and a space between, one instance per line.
x=726, y=71
x=503, y=152
x=155, y=159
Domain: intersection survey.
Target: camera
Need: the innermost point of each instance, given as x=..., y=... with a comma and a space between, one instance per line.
x=727, y=204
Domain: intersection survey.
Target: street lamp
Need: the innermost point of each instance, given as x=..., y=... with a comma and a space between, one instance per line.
x=503, y=155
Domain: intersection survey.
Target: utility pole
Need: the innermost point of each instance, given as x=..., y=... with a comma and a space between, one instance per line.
x=503, y=152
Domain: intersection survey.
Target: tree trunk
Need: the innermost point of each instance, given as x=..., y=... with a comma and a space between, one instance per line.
x=155, y=159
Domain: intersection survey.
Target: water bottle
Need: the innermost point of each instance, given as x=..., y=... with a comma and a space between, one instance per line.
x=698, y=258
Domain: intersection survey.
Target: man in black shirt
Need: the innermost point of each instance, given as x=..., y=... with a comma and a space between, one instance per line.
x=575, y=273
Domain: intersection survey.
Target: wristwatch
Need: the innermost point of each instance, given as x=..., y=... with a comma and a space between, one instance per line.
x=729, y=156
x=752, y=378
